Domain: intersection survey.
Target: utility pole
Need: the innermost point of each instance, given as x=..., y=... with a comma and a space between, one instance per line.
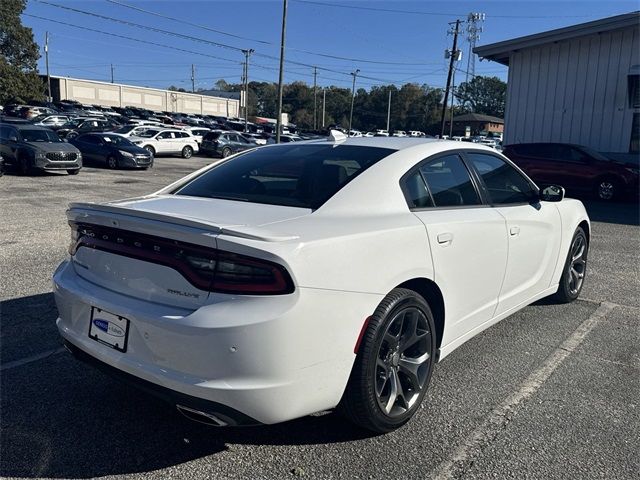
x=247, y=53
x=353, y=97
x=324, y=101
x=46, y=55
x=280, y=85
x=453, y=89
x=315, y=101
x=112, y=73
x=389, y=111
x=193, y=78
x=453, y=54
x=473, y=34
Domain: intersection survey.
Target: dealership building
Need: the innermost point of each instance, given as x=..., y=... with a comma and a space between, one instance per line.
x=119, y=95
x=578, y=84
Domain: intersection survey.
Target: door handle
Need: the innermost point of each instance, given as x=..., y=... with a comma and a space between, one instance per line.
x=514, y=231
x=445, y=238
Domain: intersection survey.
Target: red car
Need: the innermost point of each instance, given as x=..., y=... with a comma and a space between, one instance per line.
x=578, y=169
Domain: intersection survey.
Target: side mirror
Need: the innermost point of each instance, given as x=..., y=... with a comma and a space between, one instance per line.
x=552, y=193
x=13, y=138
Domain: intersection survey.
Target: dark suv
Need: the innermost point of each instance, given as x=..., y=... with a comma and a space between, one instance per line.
x=224, y=144
x=578, y=169
x=29, y=147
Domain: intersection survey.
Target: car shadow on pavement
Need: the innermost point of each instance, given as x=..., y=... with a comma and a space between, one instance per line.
x=60, y=418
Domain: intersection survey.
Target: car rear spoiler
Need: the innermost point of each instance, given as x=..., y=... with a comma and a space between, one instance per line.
x=77, y=210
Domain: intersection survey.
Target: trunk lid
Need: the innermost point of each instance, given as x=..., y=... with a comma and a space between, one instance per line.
x=137, y=247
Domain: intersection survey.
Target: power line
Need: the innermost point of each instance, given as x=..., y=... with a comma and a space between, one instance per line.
x=309, y=52
x=133, y=39
x=414, y=12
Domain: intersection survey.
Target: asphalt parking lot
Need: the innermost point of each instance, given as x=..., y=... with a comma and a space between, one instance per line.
x=551, y=392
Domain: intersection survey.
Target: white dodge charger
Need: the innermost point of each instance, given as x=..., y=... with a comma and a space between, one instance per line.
x=298, y=278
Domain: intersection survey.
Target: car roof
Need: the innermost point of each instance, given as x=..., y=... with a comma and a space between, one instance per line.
x=29, y=126
x=394, y=143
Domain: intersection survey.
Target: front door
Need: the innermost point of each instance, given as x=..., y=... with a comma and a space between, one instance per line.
x=533, y=229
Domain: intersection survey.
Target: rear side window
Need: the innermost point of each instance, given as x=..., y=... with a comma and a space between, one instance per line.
x=289, y=175
x=503, y=182
x=449, y=182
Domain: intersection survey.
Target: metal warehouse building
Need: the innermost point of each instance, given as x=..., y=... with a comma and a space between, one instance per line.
x=118, y=95
x=578, y=84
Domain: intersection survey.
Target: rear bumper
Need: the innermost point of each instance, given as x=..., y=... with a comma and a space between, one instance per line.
x=248, y=359
x=228, y=415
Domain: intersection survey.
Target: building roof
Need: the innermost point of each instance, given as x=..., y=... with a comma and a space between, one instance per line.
x=477, y=117
x=500, y=51
x=220, y=94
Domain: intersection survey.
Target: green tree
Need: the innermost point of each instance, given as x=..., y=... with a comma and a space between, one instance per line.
x=19, y=80
x=173, y=88
x=486, y=95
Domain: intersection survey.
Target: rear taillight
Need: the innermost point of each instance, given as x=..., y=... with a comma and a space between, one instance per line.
x=205, y=268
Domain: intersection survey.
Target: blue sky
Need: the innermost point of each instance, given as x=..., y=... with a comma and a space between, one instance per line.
x=387, y=46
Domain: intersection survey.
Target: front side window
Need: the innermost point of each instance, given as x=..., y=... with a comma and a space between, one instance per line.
x=449, y=182
x=504, y=183
x=40, y=136
x=290, y=175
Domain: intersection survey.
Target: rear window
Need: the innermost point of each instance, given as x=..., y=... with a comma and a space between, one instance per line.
x=290, y=175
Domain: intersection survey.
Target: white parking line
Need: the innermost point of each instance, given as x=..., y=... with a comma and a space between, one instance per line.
x=502, y=414
x=33, y=358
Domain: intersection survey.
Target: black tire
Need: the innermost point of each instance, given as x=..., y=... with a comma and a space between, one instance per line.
x=363, y=399
x=73, y=172
x=71, y=135
x=150, y=149
x=187, y=152
x=575, y=269
x=226, y=151
x=112, y=162
x=607, y=189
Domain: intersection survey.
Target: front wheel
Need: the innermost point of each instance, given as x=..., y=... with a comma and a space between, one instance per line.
x=150, y=149
x=575, y=269
x=226, y=151
x=394, y=364
x=112, y=162
x=187, y=152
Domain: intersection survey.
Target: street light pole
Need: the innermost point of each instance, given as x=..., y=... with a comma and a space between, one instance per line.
x=353, y=96
x=112, y=73
x=46, y=55
x=280, y=75
x=247, y=53
x=324, y=101
x=193, y=78
x=315, y=100
x=389, y=111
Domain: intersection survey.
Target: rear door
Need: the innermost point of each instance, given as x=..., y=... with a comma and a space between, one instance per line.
x=468, y=240
x=533, y=229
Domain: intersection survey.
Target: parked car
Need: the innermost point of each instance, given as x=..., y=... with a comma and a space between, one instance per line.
x=197, y=133
x=226, y=293
x=28, y=148
x=381, y=133
x=133, y=130
x=399, y=133
x=112, y=150
x=77, y=127
x=416, y=133
x=167, y=142
x=224, y=143
x=29, y=112
x=579, y=169
x=288, y=138
x=47, y=120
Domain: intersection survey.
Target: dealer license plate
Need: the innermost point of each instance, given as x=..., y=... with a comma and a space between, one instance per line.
x=109, y=329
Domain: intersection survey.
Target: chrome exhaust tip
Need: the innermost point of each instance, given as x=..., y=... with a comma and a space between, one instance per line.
x=201, y=417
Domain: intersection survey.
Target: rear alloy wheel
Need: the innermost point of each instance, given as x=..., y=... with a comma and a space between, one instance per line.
x=187, y=152
x=394, y=364
x=607, y=189
x=112, y=162
x=575, y=269
x=226, y=151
